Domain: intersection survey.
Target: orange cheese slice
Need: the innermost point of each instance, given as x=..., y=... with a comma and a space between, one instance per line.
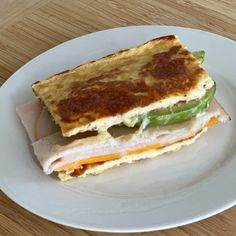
x=212, y=122
x=109, y=157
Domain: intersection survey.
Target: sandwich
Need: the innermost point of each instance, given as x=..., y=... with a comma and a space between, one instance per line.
x=134, y=104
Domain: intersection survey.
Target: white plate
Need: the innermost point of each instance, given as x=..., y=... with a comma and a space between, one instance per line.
x=180, y=188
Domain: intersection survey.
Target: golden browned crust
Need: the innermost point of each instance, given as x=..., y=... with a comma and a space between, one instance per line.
x=118, y=83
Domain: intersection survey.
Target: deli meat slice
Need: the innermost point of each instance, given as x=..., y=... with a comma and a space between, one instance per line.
x=56, y=152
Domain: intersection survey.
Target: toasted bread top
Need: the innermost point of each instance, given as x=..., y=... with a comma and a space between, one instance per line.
x=110, y=90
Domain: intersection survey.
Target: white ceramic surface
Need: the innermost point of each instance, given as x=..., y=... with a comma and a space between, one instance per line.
x=191, y=184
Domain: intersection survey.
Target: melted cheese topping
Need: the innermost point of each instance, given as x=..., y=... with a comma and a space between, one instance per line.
x=109, y=157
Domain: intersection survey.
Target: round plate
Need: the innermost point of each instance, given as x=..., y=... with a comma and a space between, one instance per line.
x=179, y=188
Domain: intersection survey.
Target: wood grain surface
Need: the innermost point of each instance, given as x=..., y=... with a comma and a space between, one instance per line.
x=29, y=27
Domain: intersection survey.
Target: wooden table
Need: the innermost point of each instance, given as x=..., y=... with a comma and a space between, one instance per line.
x=29, y=27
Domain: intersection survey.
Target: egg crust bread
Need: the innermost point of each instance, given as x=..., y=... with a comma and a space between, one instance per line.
x=111, y=90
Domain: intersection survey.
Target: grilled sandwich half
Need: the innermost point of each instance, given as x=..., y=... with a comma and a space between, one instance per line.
x=134, y=104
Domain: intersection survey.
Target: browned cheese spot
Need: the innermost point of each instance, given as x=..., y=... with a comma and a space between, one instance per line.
x=172, y=72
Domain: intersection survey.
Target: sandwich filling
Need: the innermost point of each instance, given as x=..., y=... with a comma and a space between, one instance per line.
x=71, y=157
